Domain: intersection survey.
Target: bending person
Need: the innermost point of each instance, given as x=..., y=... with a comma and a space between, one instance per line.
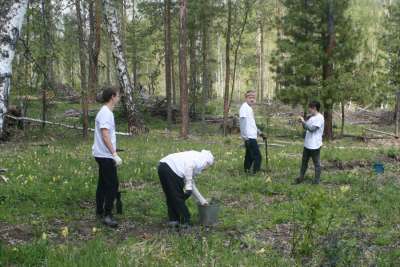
x=176, y=172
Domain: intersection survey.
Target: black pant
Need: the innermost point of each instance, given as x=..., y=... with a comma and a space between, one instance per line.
x=173, y=186
x=107, y=187
x=253, y=155
x=315, y=155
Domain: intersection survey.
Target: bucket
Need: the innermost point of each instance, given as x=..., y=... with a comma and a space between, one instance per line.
x=208, y=215
x=378, y=168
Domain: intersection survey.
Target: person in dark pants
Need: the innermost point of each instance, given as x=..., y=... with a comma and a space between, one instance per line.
x=176, y=172
x=314, y=127
x=249, y=133
x=105, y=152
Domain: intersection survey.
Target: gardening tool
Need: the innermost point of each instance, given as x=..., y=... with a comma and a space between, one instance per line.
x=266, y=150
x=208, y=214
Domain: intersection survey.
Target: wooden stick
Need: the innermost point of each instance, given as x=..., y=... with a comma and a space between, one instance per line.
x=381, y=132
x=58, y=124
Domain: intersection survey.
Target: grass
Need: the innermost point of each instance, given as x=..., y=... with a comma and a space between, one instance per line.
x=351, y=219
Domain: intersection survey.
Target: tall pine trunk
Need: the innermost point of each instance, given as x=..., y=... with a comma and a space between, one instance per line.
x=94, y=46
x=82, y=63
x=183, y=69
x=135, y=123
x=10, y=28
x=327, y=69
x=227, y=66
x=167, y=46
x=204, y=51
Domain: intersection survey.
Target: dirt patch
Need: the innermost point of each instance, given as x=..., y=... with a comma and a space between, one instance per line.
x=346, y=165
x=16, y=234
x=132, y=185
x=279, y=237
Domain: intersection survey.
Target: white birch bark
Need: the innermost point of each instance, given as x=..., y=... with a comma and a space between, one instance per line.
x=135, y=125
x=10, y=27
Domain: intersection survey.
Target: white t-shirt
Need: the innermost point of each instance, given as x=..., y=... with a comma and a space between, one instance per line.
x=104, y=120
x=313, y=139
x=248, y=127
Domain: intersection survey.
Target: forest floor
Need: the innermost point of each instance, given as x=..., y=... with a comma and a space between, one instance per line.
x=351, y=219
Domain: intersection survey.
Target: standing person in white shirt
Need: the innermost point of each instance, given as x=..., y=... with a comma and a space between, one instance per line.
x=249, y=133
x=176, y=172
x=314, y=127
x=105, y=152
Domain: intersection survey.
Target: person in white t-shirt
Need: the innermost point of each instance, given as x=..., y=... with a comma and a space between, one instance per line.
x=314, y=127
x=249, y=133
x=176, y=172
x=104, y=151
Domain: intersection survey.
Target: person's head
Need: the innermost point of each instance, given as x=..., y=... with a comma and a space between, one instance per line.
x=250, y=97
x=313, y=107
x=206, y=158
x=110, y=96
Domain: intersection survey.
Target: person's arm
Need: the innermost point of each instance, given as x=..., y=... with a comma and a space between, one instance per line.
x=105, y=133
x=196, y=194
x=243, y=124
x=188, y=178
x=308, y=125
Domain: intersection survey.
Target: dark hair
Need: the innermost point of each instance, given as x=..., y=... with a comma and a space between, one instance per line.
x=314, y=104
x=108, y=93
x=249, y=92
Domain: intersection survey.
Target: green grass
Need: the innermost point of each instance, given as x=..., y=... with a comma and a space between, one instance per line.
x=351, y=219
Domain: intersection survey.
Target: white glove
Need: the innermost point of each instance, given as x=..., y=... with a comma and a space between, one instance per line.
x=117, y=159
x=204, y=203
x=188, y=186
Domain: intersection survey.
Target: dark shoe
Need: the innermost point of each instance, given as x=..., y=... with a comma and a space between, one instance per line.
x=298, y=180
x=316, y=181
x=109, y=221
x=173, y=224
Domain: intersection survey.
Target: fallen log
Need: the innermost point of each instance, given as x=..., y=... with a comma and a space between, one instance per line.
x=58, y=124
x=381, y=132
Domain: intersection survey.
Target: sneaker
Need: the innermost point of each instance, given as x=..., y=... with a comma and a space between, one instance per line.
x=173, y=224
x=109, y=221
x=298, y=180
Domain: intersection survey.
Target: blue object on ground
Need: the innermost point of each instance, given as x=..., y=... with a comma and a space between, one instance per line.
x=379, y=168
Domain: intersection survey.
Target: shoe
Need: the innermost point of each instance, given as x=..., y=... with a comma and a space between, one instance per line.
x=173, y=224
x=109, y=221
x=298, y=180
x=316, y=181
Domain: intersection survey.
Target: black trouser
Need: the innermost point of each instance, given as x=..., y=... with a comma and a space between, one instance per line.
x=107, y=187
x=173, y=186
x=253, y=155
x=315, y=155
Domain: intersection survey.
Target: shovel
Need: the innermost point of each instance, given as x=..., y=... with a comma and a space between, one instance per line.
x=266, y=152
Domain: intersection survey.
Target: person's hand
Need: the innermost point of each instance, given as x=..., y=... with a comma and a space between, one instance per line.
x=117, y=159
x=263, y=136
x=204, y=203
x=300, y=119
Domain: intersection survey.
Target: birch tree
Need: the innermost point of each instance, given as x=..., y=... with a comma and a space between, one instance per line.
x=10, y=28
x=135, y=123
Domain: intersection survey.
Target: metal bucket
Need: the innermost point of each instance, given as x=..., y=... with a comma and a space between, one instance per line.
x=208, y=215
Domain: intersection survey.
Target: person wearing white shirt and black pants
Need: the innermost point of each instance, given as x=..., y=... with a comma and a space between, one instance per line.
x=105, y=152
x=176, y=172
x=249, y=133
x=314, y=127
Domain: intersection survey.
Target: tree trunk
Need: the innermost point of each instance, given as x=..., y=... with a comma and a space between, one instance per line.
x=183, y=69
x=262, y=62
x=227, y=66
x=135, y=123
x=82, y=61
x=173, y=77
x=10, y=27
x=167, y=45
x=94, y=46
x=204, y=50
x=236, y=53
x=193, y=70
x=397, y=112
x=327, y=69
